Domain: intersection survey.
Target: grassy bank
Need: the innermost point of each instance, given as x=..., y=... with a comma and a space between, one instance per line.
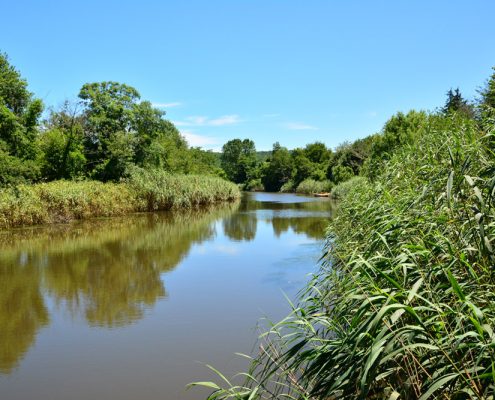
x=63, y=201
x=404, y=305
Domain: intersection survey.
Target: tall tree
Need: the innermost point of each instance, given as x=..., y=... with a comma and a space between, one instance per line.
x=278, y=170
x=62, y=143
x=19, y=115
x=238, y=159
x=109, y=114
x=120, y=131
x=455, y=103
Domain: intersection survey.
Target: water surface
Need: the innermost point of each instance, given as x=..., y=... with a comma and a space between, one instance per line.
x=134, y=307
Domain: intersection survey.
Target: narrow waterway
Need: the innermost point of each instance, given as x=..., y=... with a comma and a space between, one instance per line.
x=134, y=307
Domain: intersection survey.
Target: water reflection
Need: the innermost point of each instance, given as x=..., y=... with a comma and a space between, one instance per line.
x=22, y=312
x=241, y=226
x=109, y=271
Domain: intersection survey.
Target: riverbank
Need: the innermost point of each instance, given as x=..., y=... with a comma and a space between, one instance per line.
x=64, y=201
x=404, y=304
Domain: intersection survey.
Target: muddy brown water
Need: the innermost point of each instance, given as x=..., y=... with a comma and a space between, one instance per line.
x=135, y=307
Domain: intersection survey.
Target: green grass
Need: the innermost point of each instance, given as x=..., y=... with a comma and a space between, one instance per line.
x=63, y=201
x=343, y=188
x=310, y=186
x=159, y=190
x=404, y=304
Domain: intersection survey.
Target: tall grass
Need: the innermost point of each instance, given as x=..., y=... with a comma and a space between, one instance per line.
x=310, y=186
x=342, y=189
x=159, y=190
x=63, y=201
x=404, y=304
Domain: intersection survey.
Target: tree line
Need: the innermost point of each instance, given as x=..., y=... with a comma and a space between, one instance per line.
x=316, y=168
x=102, y=135
x=109, y=131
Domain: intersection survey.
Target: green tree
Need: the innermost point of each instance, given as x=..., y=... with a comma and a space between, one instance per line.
x=278, y=170
x=487, y=101
x=158, y=143
x=303, y=167
x=121, y=131
x=238, y=159
x=317, y=152
x=455, y=103
x=108, y=108
x=62, y=143
x=19, y=115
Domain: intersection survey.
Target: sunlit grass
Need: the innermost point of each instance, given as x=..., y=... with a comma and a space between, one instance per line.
x=63, y=201
x=310, y=186
x=404, y=304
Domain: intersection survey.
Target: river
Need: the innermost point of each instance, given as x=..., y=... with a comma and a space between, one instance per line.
x=135, y=307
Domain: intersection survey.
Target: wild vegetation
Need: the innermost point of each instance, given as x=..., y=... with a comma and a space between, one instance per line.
x=403, y=305
x=108, y=153
x=316, y=168
x=144, y=190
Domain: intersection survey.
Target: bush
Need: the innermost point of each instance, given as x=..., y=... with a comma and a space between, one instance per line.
x=288, y=187
x=254, y=185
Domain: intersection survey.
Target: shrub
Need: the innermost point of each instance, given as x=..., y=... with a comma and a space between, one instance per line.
x=288, y=186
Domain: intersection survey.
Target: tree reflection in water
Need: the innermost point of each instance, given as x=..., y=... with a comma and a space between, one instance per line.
x=108, y=271
x=22, y=311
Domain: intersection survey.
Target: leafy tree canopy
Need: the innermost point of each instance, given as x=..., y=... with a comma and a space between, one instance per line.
x=19, y=115
x=238, y=159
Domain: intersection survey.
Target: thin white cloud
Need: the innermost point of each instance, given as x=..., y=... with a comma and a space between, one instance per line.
x=198, y=140
x=206, y=121
x=225, y=120
x=167, y=105
x=198, y=120
x=298, y=126
x=371, y=114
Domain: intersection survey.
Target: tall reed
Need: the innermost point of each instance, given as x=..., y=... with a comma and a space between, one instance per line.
x=404, y=304
x=63, y=201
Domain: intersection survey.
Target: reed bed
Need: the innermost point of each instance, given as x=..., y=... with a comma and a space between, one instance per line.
x=404, y=304
x=63, y=201
x=159, y=190
x=310, y=186
x=342, y=189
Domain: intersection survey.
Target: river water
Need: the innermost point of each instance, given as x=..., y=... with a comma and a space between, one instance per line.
x=135, y=307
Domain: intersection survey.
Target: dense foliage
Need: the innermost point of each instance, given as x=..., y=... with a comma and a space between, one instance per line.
x=102, y=135
x=316, y=168
x=403, y=306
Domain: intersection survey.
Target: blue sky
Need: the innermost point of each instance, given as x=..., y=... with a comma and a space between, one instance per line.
x=271, y=70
